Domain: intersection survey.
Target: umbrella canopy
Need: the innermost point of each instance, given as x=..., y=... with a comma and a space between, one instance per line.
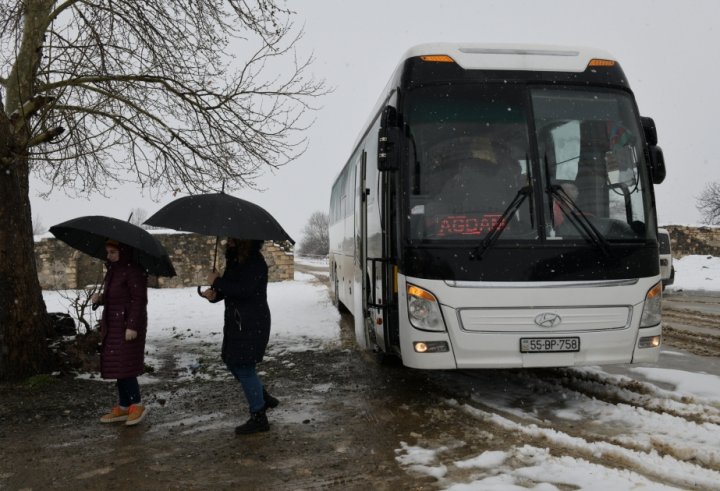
x=219, y=214
x=88, y=234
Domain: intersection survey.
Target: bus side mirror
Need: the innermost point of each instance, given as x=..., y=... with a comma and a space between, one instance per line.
x=650, y=131
x=388, y=158
x=657, y=161
x=657, y=164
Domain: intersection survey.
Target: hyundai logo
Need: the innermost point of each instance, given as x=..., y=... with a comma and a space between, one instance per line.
x=548, y=319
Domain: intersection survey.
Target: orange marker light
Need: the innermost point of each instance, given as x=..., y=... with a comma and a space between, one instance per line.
x=654, y=291
x=437, y=58
x=601, y=62
x=420, y=293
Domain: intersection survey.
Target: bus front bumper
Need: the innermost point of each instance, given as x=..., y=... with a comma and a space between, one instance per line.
x=471, y=350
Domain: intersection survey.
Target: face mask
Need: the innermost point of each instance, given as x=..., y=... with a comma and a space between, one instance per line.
x=231, y=254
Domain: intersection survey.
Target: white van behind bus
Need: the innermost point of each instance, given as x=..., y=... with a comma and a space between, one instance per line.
x=667, y=270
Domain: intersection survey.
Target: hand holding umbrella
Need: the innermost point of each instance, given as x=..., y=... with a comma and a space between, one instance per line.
x=214, y=275
x=210, y=293
x=96, y=298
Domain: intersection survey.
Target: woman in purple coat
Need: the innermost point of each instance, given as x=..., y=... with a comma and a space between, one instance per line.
x=123, y=327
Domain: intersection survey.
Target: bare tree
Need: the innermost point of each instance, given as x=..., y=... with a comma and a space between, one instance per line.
x=37, y=226
x=138, y=216
x=94, y=92
x=80, y=303
x=708, y=203
x=316, y=240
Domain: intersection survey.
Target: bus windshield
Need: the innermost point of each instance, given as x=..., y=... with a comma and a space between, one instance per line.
x=470, y=157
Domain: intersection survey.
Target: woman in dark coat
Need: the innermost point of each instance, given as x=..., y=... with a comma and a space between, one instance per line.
x=123, y=327
x=246, y=329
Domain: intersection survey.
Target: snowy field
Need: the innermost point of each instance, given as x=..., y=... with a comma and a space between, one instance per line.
x=632, y=417
x=312, y=260
x=696, y=273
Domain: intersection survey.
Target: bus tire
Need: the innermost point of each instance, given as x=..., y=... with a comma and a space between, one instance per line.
x=386, y=359
x=336, y=292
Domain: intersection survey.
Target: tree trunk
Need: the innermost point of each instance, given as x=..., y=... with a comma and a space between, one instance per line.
x=23, y=316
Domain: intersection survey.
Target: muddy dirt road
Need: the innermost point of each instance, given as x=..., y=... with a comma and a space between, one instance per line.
x=691, y=321
x=348, y=422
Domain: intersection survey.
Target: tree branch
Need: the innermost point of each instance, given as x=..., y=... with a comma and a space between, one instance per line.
x=48, y=136
x=24, y=113
x=160, y=93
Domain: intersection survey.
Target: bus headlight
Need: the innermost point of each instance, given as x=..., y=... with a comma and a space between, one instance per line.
x=652, y=313
x=431, y=346
x=424, y=310
x=649, y=342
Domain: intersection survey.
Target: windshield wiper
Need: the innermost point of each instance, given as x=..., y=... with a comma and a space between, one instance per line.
x=578, y=218
x=501, y=224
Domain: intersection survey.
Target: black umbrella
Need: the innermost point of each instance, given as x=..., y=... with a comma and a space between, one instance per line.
x=88, y=234
x=219, y=214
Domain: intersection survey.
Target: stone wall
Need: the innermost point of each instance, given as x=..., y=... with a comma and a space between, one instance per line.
x=686, y=241
x=62, y=267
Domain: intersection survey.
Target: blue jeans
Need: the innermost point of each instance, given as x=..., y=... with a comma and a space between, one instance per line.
x=128, y=391
x=253, y=388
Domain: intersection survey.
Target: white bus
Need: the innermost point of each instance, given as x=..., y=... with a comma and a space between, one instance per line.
x=498, y=210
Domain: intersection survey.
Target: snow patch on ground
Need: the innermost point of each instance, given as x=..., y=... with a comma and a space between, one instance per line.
x=696, y=273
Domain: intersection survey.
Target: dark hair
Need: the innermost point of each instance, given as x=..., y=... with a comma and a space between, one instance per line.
x=255, y=245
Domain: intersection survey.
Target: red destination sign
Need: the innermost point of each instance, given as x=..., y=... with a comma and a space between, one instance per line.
x=465, y=224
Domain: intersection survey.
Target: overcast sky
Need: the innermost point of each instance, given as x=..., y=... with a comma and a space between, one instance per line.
x=668, y=50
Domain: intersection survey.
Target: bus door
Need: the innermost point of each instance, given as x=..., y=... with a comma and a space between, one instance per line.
x=379, y=266
x=381, y=210
x=378, y=318
x=375, y=270
x=360, y=280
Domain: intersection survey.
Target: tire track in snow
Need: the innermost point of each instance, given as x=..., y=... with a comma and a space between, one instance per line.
x=652, y=464
x=635, y=419
x=622, y=389
x=609, y=418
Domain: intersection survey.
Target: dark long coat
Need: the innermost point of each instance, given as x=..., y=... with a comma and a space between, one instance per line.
x=125, y=307
x=246, y=329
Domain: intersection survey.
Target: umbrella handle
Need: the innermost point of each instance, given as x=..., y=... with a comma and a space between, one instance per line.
x=199, y=290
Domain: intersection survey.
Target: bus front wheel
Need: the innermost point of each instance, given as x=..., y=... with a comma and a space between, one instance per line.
x=336, y=292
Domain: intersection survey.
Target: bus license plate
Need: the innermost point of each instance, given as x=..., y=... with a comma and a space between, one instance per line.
x=549, y=345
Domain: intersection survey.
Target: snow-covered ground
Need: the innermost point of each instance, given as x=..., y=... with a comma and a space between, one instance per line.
x=633, y=417
x=696, y=273
x=312, y=260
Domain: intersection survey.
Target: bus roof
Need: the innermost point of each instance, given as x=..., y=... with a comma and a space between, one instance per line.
x=476, y=56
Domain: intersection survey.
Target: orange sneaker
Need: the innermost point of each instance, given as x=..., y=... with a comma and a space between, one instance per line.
x=115, y=415
x=136, y=413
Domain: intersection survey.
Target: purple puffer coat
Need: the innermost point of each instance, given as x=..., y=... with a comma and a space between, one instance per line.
x=125, y=307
